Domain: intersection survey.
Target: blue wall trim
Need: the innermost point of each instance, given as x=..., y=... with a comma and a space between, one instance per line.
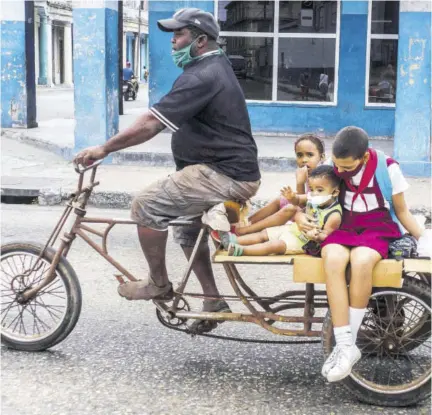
x=354, y=7
x=96, y=79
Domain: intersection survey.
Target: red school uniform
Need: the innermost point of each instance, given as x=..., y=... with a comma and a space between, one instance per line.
x=366, y=219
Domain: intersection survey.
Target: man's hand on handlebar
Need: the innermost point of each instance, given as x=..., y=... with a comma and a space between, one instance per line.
x=89, y=155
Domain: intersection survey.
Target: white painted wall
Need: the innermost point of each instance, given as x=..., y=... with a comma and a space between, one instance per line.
x=12, y=10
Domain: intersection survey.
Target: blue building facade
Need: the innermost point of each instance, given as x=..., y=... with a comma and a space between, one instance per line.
x=308, y=65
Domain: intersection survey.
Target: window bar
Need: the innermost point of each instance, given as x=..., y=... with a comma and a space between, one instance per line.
x=275, y=73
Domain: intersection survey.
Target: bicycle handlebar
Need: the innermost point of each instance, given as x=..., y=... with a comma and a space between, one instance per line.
x=79, y=168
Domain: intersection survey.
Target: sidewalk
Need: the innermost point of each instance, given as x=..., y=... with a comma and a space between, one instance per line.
x=55, y=113
x=56, y=135
x=30, y=171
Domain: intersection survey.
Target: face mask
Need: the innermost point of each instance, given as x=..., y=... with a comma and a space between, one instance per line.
x=318, y=200
x=183, y=56
x=347, y=175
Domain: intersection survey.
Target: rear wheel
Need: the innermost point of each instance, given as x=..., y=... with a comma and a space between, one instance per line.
x=395, y=340
x=49, y=317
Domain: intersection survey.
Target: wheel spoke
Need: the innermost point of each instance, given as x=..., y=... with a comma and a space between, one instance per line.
x=38, y=317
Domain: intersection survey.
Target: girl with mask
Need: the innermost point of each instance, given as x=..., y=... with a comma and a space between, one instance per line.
x=309, y=152
x=322, y=204
x=372, y=196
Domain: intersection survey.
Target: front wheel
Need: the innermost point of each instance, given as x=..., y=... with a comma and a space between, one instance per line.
x=395, y=341
x=50, y=316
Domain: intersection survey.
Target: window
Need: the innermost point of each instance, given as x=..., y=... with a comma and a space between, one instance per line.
x=282, y=51
x=383, y=29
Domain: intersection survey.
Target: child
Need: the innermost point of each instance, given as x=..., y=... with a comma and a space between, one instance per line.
x=322, y=204
x=309, y=151
x=372, y=197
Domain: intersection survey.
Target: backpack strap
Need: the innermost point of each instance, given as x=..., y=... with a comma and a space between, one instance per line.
x=384, y=182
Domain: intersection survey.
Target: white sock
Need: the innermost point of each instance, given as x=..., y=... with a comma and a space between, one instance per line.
x=356, y=317
x=343, y=336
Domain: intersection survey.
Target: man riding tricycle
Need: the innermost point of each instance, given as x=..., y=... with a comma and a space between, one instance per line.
x=376, y=335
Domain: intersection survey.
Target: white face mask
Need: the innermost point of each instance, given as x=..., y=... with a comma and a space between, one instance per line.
x=318, y=200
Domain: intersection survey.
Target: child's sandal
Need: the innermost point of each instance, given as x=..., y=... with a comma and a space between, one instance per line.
x=235, y=249
x=227, y=238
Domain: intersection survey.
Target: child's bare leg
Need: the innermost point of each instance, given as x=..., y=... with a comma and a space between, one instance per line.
x=336, y=258
x=265, y=248
x=253, y=238
x=344, y=356
x=363, y=261
x=281, y=217
x=267, y=210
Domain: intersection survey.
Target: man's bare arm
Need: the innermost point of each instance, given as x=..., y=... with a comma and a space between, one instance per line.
x=142, y=130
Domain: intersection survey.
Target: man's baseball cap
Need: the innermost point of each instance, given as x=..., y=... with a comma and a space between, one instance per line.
x=191, y=17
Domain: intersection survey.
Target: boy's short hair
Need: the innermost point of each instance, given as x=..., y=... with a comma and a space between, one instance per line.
x=351, y=142
x=327, y=172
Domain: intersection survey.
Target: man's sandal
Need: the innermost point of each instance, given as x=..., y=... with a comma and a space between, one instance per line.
x=205, y=326
x=145, y=290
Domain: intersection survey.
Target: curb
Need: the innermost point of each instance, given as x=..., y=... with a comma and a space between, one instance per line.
x=270, y=164
x=53, y=196
x=20, y=135
x=123, y=200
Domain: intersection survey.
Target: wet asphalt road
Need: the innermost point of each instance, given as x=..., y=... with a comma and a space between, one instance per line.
x=121, y=360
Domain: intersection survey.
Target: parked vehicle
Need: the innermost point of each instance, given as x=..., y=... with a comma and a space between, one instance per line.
x=239, y=65
x=130, y=89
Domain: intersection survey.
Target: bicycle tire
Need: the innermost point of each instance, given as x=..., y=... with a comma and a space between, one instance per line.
x=416, y=289
x=73, y=299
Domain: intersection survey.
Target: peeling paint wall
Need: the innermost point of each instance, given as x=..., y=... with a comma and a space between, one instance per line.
x=95, y=74
x=18, y=93
x=413, y=102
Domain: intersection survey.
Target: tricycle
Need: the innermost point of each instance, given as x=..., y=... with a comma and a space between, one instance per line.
x=41, y=302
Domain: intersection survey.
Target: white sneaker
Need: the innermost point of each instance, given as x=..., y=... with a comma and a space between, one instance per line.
x=345, y=358
x=329, y=363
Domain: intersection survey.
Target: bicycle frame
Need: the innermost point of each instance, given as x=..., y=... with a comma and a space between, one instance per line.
x=80, y=227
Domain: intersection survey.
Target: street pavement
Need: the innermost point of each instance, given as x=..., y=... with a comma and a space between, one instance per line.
x=120, y=360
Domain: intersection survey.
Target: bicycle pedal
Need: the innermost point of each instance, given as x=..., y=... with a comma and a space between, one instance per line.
x=119, y=278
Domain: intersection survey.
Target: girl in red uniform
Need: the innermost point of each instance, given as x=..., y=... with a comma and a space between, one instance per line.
x=362, y=240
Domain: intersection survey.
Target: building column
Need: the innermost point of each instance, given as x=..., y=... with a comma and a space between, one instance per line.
x=143, y=59
x=56, y=55
x=45, y=52
x=130, y=48
x=36, y=42
x=124, y=50
x=67, y=55
x=18, y=97
x=96, y=79
x=352, y=63
x=412, y=141
x=137, y=62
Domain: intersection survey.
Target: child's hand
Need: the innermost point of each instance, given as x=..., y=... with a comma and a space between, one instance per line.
x=301, y=175
x=288, y=194
x=313, y=234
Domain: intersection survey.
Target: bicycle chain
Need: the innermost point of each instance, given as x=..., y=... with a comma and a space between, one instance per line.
x=238, y=339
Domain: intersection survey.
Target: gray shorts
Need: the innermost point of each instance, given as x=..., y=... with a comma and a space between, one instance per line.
x=187, y=192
